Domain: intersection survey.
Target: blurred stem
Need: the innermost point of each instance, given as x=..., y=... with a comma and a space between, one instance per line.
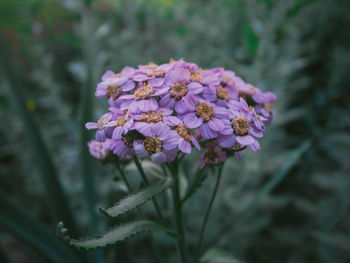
x=57, y=201
x=3, y=256
x=122, y=174
x=181, y=241
x=154, y=245
x=146, y=182
x=87, y=164
x=197, y=181
x=206, y=217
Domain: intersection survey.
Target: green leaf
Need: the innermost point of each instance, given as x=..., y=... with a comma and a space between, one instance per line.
x=17, y=220
x=3, y=256
x=43, y=160
x=218, y=256
x=116, y=235
x=278, y=178
x=199, y=179
x=251, y=40
x=133, y=201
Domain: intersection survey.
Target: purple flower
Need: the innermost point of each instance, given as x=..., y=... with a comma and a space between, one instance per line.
x=122, y=147
x=220, y=95
x=260, y=97
x=160, y=144
x=142, y=100
x=121, y=123
x=242, y=127
x=207, y=116
x=101, y=125
x=185, y=139
x=213, y=155
x=144, y=121
x=99, y=150
x=113, y=85
x=180, y=89
x=158, y=110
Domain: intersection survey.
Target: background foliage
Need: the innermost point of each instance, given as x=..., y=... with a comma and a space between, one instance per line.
x=289, y=202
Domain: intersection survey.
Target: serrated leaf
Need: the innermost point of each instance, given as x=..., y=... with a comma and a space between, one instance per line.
x=116, y=235
x=218, y=256
x=135, y=200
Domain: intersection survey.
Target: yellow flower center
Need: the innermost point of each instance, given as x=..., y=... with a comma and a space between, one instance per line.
x=153, y=145
x=228, y=78
x=128, y=142
x=240, y=126
x=114, y=91
x=156, y=73
x=205, y=111
x=196, y=76
x=178, y=90
x=101, y=122
x=121, y=121
x=184, y=132
x=152, y=116
x=222, y=94
x=144, y=92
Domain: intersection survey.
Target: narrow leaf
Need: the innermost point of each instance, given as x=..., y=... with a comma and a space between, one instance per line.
x=17, y=220
x=116, y=235
x=133, y=201
x=43, y=160
x=278, y=178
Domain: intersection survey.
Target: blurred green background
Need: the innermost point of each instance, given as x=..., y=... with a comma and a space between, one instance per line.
x=288, y=202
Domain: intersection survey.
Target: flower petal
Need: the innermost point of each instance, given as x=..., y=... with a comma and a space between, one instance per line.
x=184, y=146
x=207, y=132
x=192, y=121
x=139, y=148
x=245, y=140
x=159, y=157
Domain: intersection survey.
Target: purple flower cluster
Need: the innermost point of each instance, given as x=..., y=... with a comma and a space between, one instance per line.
x=157, y=111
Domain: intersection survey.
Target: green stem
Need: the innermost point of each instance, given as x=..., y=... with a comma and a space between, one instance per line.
x=178, y=215
x=146, y=182
x=197, y=181
x=122, y=174
x=155, y=247
x=206, y=217
x=3, y=256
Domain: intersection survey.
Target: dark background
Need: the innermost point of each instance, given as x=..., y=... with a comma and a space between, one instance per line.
x=288, y=202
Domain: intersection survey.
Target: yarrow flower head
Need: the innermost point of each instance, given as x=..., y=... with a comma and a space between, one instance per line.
x=99, y=150
x=160, y=111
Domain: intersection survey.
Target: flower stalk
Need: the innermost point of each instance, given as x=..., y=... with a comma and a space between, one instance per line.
x=181, y=241
x=206, y=217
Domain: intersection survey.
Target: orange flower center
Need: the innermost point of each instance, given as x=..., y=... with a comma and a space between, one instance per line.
x=156, y=73
x=128, y=142
x=184, y=132
x=222, y=94
x=240, y=126
x=114, y=91
x=152, y=116
x=101, y=122
x=144, y=92
x=153, y=145
x=196, y=76
x=205, y=111
x=178, y=90
x=121, y=121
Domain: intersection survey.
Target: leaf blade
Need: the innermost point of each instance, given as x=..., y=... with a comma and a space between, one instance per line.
x=133, y=201
x=116, y=235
